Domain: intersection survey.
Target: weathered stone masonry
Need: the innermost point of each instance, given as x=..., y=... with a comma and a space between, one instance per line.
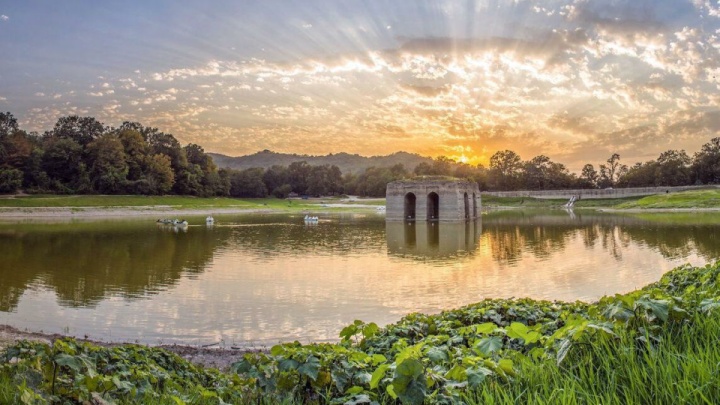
x=432, y=200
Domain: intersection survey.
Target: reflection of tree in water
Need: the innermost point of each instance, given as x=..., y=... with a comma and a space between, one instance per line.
x=86, y=262
x=510, y=235
x=281, y=237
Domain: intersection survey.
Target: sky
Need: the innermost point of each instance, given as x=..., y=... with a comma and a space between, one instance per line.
x=575, y=80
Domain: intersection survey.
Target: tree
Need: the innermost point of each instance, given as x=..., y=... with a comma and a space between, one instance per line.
x=505, y=170
x=108, y=168
x=82, y=130
x=276, y=178
x=247, y=183
x=324, y=180
x=673, y=169
x=8, y=124
x=158, y=174
x=706, y=163
x=588, y=177
x=610, y=173
x=136, y=151
x=62, y=161
x=10, y=180
x=298, y=173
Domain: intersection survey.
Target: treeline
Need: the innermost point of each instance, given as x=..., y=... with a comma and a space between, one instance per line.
x=83, y=156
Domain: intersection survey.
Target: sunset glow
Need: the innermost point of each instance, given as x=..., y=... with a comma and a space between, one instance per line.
x=574, y=80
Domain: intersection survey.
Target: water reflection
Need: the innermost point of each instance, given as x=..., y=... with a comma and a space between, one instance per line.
x=272, y=277
x=87, y=262
x=543, y=234
x=432, y=240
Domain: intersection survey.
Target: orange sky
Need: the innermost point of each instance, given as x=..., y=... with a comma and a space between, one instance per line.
x=575, y=80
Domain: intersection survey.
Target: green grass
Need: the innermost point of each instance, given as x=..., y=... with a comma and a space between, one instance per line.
x=530, y=202
x=79, y=202
x=685, y=199
x=680, y=369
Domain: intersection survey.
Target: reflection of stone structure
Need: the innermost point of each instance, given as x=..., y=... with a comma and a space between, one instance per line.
x=432, y=200
x=426, y=240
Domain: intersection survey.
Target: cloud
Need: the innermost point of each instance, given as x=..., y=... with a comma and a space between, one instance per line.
x=575, y=80
x=4, y=18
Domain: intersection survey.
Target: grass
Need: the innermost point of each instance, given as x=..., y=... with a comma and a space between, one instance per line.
x=79, y=202
x=685, y=199
x=531, y=202
x=680, y=369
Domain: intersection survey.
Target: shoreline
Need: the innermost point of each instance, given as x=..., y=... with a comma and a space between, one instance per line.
x=7, y=213
x=207, y=356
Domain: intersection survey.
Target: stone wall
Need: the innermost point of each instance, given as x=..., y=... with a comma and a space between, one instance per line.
x=451, y=199
x=594, y=193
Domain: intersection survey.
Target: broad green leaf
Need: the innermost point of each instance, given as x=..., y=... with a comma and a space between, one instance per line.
x=348, y=332
x=288, y=364
x=437, y=354
x=354, y=390
x=409, y=382
x=370, y=330
x=378, y=375
x=618, y=311
x=485, y=328
x=409, y=368
x=457, y=373
x=277, y=350
x=489, y=345
x=71, y=362
x=506, y=365
x=659, y=308
x=378, y=359
x=517, y=330
x=310, y=368
x=476, y=375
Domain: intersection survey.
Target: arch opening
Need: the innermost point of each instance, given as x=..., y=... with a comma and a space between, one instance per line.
x=433, y=207
x=410, y=200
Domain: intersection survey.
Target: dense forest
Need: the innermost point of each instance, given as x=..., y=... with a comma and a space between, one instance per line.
x=81, y=155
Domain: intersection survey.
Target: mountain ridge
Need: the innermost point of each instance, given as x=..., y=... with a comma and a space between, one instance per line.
x=348, y=163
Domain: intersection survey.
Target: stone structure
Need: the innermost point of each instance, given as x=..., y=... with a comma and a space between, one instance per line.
x=432, y=199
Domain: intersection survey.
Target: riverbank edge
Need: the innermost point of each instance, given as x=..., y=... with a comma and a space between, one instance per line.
x=212, y=356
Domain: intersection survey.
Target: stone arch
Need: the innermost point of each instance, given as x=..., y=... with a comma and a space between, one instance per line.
x=410, y=203
x=433, y=206
x=466, y=201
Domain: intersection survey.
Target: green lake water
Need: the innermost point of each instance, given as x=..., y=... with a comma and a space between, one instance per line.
x=261, y=279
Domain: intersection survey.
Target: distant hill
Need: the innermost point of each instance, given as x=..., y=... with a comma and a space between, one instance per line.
x=346, y=162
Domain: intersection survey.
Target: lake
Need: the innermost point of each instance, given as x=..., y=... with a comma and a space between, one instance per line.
x=255, y=280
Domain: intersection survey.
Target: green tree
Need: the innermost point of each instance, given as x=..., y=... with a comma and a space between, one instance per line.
x=136, y=151
x=62, y=161
x=10, y=180
x=505, y=170
x=248, y=183
x=588, y=177
x=158, y=174
x=108, y=167
x=82, y=130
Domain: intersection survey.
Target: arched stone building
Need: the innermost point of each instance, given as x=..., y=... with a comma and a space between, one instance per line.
x=429, y=199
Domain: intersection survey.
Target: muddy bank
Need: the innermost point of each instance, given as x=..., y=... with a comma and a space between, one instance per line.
x=209, y=356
